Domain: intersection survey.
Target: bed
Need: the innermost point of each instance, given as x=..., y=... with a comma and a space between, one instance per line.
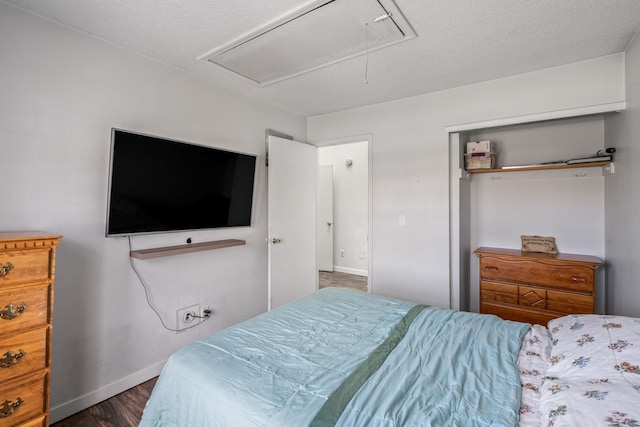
x=347, y=358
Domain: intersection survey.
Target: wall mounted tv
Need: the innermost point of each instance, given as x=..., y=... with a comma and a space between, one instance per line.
x=159, y=185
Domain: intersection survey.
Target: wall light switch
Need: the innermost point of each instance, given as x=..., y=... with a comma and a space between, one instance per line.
x=402, y=220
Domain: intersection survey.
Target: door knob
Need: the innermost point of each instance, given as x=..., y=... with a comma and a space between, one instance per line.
x=329, y=223
x=275, y=240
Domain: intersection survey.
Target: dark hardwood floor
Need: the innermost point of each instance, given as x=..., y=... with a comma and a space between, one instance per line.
x=125, y=409
x=342, y=280
x=122, y=410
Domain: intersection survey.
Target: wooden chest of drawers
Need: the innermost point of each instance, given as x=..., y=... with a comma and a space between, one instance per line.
x=535, y=287
x=27, y=269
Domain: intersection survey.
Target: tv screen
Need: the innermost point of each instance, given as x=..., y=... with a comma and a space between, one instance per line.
x=159, y=185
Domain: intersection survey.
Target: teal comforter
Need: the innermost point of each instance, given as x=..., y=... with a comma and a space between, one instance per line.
x=281, y=368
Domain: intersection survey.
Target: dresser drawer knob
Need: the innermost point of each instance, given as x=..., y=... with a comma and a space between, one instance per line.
x=5, y=269
x=12, y=311
x=491, y=268
x=10, y=358
x=576, y=279
x=8, y=407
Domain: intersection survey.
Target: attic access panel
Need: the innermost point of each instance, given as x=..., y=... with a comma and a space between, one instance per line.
x=316, y=36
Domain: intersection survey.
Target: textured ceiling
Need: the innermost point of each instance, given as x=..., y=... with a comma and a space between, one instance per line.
x=458, y=42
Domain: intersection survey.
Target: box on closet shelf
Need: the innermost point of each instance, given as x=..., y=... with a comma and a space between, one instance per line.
x=480, y=147
x=480, y=160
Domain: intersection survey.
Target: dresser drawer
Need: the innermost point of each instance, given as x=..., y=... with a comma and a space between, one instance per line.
x=499, y=292
x=572, y=277
x=23, y=307
x=570, y=303
x=38, y=422
x=519, y=314
x=24, y=266
x=22, y=353
x=22, y=401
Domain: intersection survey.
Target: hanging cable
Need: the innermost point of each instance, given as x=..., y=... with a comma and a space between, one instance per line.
x=366, y=44
x=147, y=294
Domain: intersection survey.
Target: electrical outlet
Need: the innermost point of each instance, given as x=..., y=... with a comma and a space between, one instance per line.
x=205, y=313
x=187, y=316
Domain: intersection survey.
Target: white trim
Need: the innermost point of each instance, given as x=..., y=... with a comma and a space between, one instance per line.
x=81, y=403
x=261, y=30
x=613, y=107
x=454, y=222
x=366, y=137
x=398, y=18
x=353, y=271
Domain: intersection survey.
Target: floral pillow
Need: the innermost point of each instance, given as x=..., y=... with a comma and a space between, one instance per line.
x=594, y=372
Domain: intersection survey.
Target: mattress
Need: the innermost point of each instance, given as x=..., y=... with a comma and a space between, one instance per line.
x=346, y=358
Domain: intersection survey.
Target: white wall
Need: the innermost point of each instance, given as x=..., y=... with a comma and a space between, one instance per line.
x=411, y=163
x=61, y=92
x=622, y=207
x=350, y=205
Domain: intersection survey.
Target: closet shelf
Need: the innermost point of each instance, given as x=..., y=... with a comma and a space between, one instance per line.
x=541, y=167
x=185, y=249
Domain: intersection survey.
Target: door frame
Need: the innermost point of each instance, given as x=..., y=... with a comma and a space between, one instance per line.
x=325, y=239
x=369, y=139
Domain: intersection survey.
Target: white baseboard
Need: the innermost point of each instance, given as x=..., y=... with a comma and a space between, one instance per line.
x=350, y=271
x=64, y=410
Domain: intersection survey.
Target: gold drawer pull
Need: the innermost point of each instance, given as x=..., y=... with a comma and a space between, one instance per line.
x=8, y=407
x=5, y=269
x=491, y=268
x=10, y=358
x=578, y=279
x=12, y=311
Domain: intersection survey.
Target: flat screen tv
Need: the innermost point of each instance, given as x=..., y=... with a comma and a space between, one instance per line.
x=159, y=185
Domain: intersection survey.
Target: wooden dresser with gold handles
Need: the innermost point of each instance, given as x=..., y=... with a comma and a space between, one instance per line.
x=27, y=270
x=535, y=287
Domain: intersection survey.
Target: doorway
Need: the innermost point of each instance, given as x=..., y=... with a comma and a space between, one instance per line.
x=343, y=215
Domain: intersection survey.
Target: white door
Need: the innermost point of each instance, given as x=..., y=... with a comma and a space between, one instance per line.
x=325, y=218
x=292, y=187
